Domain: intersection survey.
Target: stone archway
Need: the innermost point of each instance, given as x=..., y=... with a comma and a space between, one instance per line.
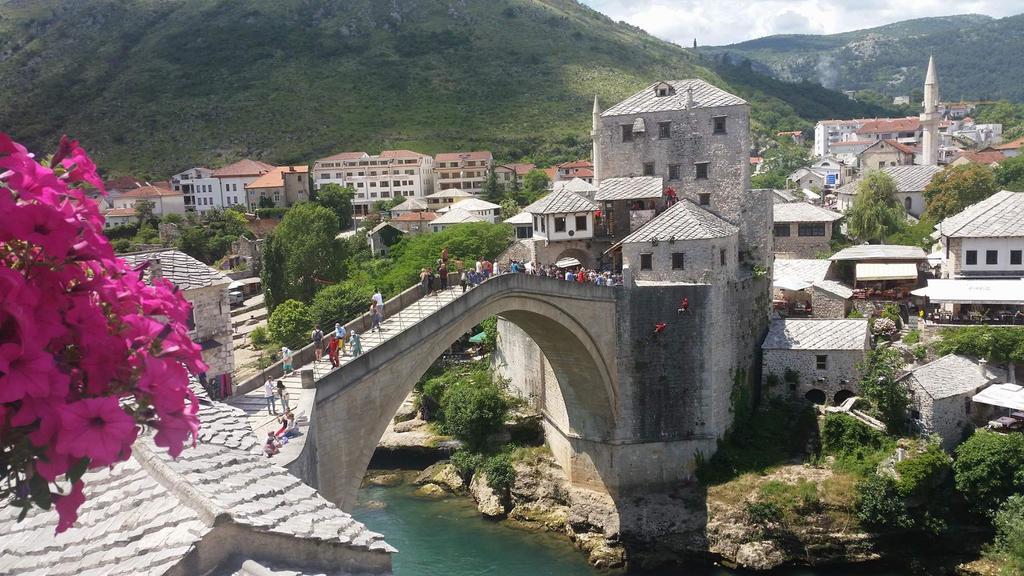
x=585, y=258
x=573, y=325
x=816, y=396
x=842, y=396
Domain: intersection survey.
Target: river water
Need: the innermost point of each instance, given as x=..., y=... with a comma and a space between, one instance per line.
x=449, y=538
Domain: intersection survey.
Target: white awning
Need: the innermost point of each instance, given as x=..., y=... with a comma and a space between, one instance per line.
x=567, y=263
x=886, y=271
x=1006, y=395
x=790, y=284
x=973, y=291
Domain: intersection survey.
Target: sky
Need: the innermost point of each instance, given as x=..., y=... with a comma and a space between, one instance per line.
x=716, y=22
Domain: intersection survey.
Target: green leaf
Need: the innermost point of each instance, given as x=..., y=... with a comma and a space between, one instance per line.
x=78, y=469
x=39, y=490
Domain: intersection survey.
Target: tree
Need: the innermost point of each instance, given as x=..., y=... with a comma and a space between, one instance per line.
x=989, y=467
x=338, y=199
x=1010, y=174
x=340, y=303
x=876, y=213
x=956, y=188
x=290, y=324
x=144, y=211
x=311, y=255
x=474, y=409
x=785, y=157
x=272, y=275
x=1009, y=544
x=775, y=180
x=266, y=202
x=492, y=192
x=535, y=183
x=509, y=208
x=878, y=385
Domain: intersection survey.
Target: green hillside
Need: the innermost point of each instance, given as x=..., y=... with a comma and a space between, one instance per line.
x=978, y=57
x=155, y=86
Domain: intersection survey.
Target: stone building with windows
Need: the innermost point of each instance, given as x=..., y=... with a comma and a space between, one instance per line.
x=819, y=356
x=210, y=317
x=802, y=230
x=986, y=239
x=563, y=226
x=374, y=178
x=910, y=184
x=233, y=178
x=284, y=186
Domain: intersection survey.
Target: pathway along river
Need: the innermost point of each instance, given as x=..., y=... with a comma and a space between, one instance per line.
x=449, y=538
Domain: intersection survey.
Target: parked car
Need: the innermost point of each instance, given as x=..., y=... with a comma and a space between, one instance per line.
x=235, y=298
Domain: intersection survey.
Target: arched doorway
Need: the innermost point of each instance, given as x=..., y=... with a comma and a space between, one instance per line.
x=585, y=258
x=816, y=396
x=842, y=396
x=355, y=405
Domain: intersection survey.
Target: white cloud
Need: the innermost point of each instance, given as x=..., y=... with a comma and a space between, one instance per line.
x=718, y=22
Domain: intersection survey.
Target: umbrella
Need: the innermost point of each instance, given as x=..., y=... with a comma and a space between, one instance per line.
x=478, y=338
x=567, y=263
x=235, y=285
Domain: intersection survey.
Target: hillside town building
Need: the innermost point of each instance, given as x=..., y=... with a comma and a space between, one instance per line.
x=445, y=198
x=466, y=171
x=283, y=186
x=202, y=191
x=910, y=184
x=386, y=176
x=511, y=175
x=885, y=153
x=486, y=211
x=234, y=177
x=820, y=356
x=165, y=200
x=802, y=230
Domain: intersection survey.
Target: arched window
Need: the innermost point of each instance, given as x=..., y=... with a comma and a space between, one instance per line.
x=907, y=203
x=816, y=396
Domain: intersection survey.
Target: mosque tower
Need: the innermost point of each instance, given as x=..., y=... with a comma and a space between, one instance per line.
x=930, y=117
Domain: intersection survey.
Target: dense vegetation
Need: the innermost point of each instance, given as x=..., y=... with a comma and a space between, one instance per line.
x=977, y=57
x=156, y=86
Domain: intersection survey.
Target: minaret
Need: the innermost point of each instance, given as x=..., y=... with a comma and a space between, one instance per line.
x=930, y=117
x=594, y=136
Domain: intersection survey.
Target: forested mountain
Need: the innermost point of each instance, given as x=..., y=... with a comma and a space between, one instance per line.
x=978, y=57
x=155, y=86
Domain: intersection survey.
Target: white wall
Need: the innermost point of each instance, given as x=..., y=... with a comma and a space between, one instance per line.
x=233, y=190
x=1001, y=245
x=570, y=233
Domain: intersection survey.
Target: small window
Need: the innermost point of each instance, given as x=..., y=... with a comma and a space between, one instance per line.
x=581, y=222
x=627, y=132
x=811, y=229
x=648, y=168
x=646, y=261
x=702, y=170
x=991, y=257
x=559, y=223
x=719, y=124
x=1015, y=259
x=781, y=230
x=972, y=257
x=673, y=171
x=664, y=130
x=543, y=224
x=822, y=361
x=678, y=261
x=662, y=92
x=721, y=257
x=704, y=199
x=908, y=203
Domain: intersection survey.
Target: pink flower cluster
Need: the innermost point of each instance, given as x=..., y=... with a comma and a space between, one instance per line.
x=89, y=352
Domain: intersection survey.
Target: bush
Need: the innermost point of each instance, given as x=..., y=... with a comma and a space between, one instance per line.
x=763, y=513
x=892, y=312
x=879, y=504
x=793, y=500
x=912, y=337
x=854, y=314
x=291, y=324
x=430, y=398
x=989, y=467
x=341, y=303
x=275, y=213
x=791, y=376
x=920, y=351
x=889, y=396
x=466, y=462
x=490, y=328
x=922, y=476
x=1009, y=544
x=474, y=409
x=259, y=337
x=857, y=448
x=122, y=245
x=501, y=475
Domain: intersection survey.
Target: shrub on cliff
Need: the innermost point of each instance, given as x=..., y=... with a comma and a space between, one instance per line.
x=880, y=505
x=291, y=324
x=500, y=473
x=989, y=467
x=857, y=448
x=474, y=409
x=1008, y=549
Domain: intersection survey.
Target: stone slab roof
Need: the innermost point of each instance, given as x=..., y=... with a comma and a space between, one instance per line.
x=806, y=269
x=578, y=185
x=865, y=252
x=684, y=220
x=953, y=375
x=145, y=515
x=450, y=193
x=999, y=215
x=704, y=96
x=523, y=218
x=179, y=268
x=833, y=287
x=635, y=188
x=411, y=205
x=475, y=205
x=456, y=216
x=562, y=201
x=816, y=334
x=907, y=179
x=803, y=212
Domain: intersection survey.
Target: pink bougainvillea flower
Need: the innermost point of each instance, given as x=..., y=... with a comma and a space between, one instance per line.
x=53, y=465
x=174, y=429
x=42, y=416
x=28, y=371
x=78, y=164
x=45, y=227
x=97, y=428
x=67, y=506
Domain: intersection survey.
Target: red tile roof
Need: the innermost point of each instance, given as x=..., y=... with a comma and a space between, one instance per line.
x=576, y=164
x=344, y=156
x=392, y=154
x=115, y=212
x=415, y=217
x=584, y=173
x=982, y=156
x=242, y=168
x=551, y=172
x=455, y=156
x=900, y=146
x=150, y=191
x=879, y=125
x=520, y=169
x=1011, y=145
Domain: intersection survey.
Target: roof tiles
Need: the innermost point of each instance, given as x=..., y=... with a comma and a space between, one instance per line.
x=953, y=375
x=562, y=201
x=243, y=168
x=998, y=216
x=816, y=334
x=684, y=220
x=704, y=96
x=803, y=212
x=179, y=268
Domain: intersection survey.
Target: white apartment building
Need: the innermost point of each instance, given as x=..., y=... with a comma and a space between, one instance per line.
x=391, y=174
x=466, y=171
x=828, y=132
x=201, y=190
x=233, y=178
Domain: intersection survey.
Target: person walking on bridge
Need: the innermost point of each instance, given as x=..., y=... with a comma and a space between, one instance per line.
x=318, y=343
x=424, y=281
x=374, y=318
x=268, y=395
x=340, y=335
x=357, y=344
x=379, y=299
x=332, y=348
x=442, y=276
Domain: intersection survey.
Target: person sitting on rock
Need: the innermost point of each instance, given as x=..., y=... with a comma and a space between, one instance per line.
x=272, y=445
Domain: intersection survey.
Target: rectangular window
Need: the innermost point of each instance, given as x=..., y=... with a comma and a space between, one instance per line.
x=972, y=257
x=627, y=132
x=678, y=261
x=673, y=171
x=721, y=257
x=664, y=130
x=704, y=199
x=719, y=124
x=647, y=261
x=559, y=223
x=702, y=170
x=991, y=257
x=781, y=230
x=543, y=224
x=1015, y=259
x=811, y=229
x=581, y=223
x=648, y=168
x=822, y=361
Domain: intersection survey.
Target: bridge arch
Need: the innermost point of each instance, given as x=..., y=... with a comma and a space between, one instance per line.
x=573, y=324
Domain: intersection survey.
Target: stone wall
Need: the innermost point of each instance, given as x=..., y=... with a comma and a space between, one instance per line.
x=950, y=418
x=796, y=246
x=841, y=372
x=213, y=322
x=825, y=304
x=702, y=260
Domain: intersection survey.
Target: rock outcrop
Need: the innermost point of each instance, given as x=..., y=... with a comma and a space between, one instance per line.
x=444, y=475
x=488, y=501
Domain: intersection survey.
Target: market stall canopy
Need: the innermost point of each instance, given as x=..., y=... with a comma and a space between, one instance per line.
x=973, y=291
x=1005, y=395
x=567, y=263
x=884, y=252
x=886, y=271
x=478, y=338
x=790, y=284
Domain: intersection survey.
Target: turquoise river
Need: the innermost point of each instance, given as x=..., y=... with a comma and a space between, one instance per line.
x=449, y=538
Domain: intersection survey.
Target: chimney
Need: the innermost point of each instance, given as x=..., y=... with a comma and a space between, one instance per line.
x=689, y=97
x=982, y=365
x=155, y=271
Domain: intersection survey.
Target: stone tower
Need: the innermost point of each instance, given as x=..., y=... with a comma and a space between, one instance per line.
x=595, y=126
x=930, y=117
